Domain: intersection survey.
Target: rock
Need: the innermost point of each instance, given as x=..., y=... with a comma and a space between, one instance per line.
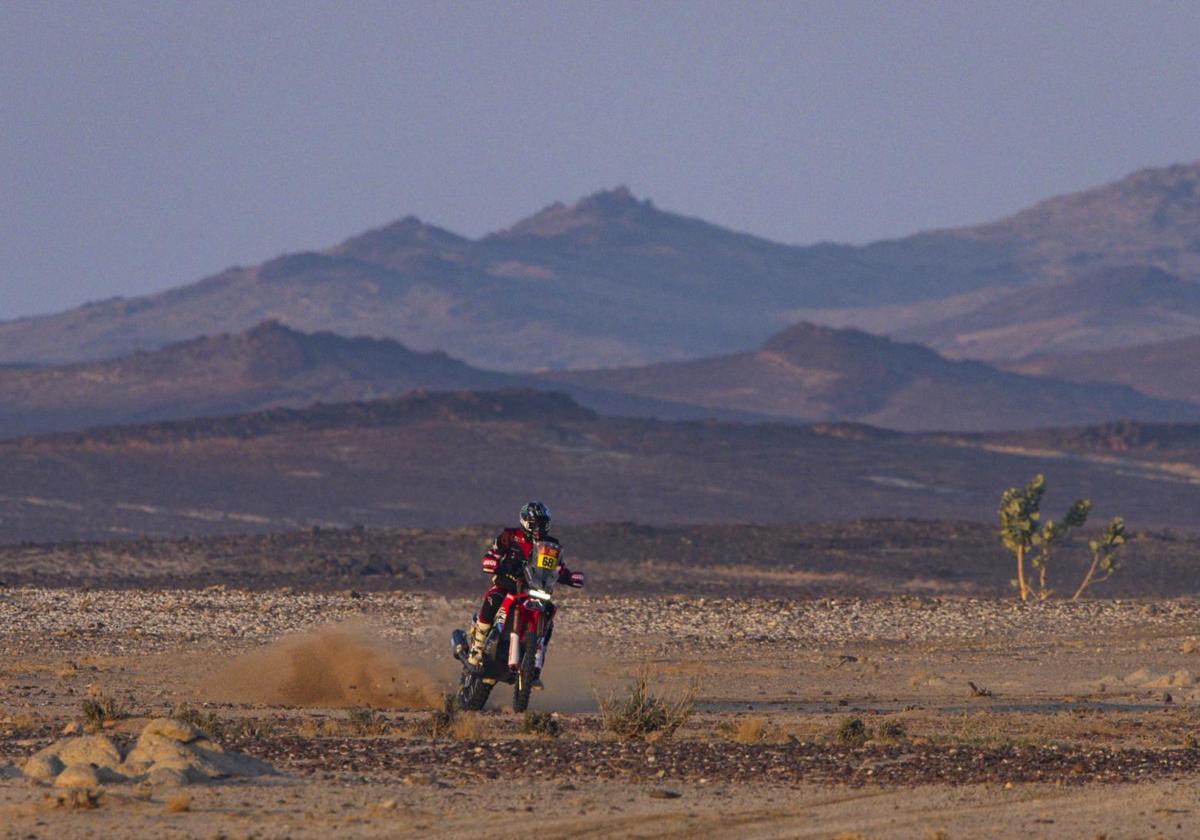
x=78, y=776
x=72, y=728
x=661, y=793
x=95, y=750
x=199, y=759
x=176, y=730
x=43, y=765
x=167, y=777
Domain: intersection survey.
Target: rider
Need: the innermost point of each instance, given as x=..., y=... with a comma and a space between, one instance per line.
x=504, y=561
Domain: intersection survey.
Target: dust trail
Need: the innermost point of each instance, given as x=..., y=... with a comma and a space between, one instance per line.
x=342, y=665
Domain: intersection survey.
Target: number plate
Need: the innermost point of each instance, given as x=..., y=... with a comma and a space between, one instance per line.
x=547, y=556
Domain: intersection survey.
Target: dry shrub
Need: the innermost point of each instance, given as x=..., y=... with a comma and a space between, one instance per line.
x=440, y=722
x=225, y=729
x=642, y=712
x=100, y=710
x=750, y=730
x=179, y=803
x=366, y=722
x=891, y=730
x=851, y=732
x=467, y=726
x=18, y=724
x=308, y=727
x=207, y=722
x=541, y=723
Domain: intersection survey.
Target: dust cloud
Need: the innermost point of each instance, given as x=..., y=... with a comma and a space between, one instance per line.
x=341, y=665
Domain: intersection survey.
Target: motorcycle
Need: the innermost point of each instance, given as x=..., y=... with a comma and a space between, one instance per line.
x=515, y=647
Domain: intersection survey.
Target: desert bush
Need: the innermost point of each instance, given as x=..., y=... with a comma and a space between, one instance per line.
x=178, y=804
x=100, y=710
x=441, y=720
x=641, y=711
x=207, y=722
x=891, y=730
x=1104, y=555
x=1021, y=530
x=746, y=730
x=541, y=723
x=366, y=722
x=851, y=732
x=467, y=726
x=224, y=729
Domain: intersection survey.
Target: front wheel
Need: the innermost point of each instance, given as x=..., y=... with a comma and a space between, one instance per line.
x=524, y=683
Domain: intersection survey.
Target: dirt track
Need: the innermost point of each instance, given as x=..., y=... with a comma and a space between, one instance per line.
x=1077, y=728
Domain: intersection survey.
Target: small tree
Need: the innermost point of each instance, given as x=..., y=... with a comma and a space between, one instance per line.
x=1051, y=532
x=1020, y=515
x=1104, y=555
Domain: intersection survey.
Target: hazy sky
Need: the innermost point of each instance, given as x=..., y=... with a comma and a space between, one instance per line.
x=147, y=144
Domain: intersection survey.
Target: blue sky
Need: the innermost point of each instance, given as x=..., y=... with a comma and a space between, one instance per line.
x=145, y=145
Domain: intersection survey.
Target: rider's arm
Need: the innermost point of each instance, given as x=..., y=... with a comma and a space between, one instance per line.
x=570, y=578
x=494, y=556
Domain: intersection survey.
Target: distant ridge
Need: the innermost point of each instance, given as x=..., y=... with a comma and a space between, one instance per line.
x=268, y=365
x=1163, y=369
x=612, y=280
x=813, y=373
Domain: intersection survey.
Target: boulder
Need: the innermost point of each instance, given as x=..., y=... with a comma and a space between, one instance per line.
x=95, y=750
x=198, y=759
x=42, y=765
x=168, y=752
x=167, y=777
x=78, y=776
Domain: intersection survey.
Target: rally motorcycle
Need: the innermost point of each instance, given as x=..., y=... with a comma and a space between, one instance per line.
x=515, y=647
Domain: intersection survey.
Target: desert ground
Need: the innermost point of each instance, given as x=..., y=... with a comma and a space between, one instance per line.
x=914, y=716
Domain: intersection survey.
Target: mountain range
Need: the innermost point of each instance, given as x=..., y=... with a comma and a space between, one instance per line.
x=612, y=280
x=803, y=374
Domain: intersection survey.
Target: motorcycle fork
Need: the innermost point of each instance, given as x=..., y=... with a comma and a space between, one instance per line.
x=514, y=639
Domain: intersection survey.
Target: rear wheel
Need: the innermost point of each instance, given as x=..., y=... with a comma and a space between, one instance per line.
x=473, y=692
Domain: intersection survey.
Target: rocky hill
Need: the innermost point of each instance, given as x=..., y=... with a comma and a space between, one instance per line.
x=613, y=280
x=811, y=373
x=269, y=365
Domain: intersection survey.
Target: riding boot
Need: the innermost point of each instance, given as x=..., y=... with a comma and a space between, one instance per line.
x=477, y=634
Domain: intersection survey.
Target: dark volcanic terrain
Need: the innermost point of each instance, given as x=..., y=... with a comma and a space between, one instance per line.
x=859, y=559
x=447, y=460
x=548, y=290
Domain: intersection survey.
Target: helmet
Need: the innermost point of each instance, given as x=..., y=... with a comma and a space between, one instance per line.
x=535, y=518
